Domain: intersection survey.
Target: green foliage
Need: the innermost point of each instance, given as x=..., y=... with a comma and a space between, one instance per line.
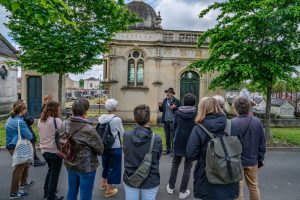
x=59, y=48
x=81, y=83
x=41, y=11
x=254, y=40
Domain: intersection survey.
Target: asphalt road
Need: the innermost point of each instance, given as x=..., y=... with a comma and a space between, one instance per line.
x=279, y=179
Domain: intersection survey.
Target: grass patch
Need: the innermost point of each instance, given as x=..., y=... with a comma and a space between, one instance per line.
x=288, y=136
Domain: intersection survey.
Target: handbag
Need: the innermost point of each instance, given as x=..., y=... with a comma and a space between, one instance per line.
x=142, y=172
x=23, y=152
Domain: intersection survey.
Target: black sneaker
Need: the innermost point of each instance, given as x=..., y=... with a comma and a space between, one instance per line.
x=26, y=185
x=39, y=163
x=18, y=195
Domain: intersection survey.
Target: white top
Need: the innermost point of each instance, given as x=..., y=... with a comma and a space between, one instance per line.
x=47, y=134
x=115, y=127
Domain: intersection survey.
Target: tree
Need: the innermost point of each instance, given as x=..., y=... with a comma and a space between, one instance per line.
x=81, y=83
x=58, y=48
x=255, y=41
x=41, y=11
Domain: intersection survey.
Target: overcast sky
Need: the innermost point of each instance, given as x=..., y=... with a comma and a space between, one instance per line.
x=176, y=14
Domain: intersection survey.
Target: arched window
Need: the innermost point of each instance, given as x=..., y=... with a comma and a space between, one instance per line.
x=135, y=69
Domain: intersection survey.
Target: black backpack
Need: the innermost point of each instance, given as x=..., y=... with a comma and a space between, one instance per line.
x=106, y=135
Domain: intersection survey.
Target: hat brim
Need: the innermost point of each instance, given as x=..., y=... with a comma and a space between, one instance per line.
x=169, y=91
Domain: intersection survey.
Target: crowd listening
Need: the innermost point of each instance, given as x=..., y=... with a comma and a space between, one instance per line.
x=191, y=132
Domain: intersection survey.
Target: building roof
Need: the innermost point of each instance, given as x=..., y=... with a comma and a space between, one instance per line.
x=150, y=19
x=7, y=49
x=92, y=79
x=279, y=102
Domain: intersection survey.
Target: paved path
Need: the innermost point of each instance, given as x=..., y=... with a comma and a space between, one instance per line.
x=279, y=179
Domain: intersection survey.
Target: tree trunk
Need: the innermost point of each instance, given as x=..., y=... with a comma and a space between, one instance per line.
x=60, y=82
x=268, y=115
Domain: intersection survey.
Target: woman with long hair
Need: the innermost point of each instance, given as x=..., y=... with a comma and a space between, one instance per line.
x=20, y=172
x=212, y=117
x=47, y=125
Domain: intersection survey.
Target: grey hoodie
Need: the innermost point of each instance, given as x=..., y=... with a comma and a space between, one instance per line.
x=115, y=127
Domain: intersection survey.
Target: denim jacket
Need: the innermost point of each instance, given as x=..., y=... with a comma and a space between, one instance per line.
x=11, y=128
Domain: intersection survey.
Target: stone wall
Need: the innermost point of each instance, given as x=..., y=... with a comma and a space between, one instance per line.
x=8, y=91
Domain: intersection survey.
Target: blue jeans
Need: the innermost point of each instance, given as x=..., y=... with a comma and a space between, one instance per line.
x=112, y=165
x=134, y=193
x=83, y=181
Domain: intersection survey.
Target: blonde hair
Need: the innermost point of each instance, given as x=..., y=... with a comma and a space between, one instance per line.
x=207, y=105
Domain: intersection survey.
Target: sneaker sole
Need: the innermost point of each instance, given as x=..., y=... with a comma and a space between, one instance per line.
x=27, y=186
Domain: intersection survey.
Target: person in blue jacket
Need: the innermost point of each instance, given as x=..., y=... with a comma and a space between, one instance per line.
x=20, y=172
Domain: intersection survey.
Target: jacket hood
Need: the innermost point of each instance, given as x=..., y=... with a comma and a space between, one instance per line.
x=187, y=112
x=215, y=123
x=141, y=135
x=105, y=118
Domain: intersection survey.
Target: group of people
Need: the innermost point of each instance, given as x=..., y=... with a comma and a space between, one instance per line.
x=141, y=147
x=190, y=142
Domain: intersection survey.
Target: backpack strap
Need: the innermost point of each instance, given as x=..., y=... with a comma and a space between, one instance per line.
x=71, y=135
x=210, y=134
x=228, y=127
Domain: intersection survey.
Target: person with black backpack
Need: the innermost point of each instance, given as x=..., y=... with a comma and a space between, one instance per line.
x=110, y=130
x=220, y=182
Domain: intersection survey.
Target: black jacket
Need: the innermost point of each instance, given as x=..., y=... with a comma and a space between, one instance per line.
x=29, y=121
x=253, y=139
x=184, y=122
x=196, y=150
x=136, y=146
x=164, y=107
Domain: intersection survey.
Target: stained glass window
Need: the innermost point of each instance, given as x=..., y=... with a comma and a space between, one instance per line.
x=136, y=69
x=131, y=72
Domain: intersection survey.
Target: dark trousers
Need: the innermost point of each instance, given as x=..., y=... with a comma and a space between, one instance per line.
x=186, y=173
x=112, y=165
x=19, y=176
x=169, y=134
x=54, y=165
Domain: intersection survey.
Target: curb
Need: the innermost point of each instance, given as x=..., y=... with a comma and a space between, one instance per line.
x=284, y=149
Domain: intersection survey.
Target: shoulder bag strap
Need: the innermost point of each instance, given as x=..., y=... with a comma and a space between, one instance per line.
x=210, y=134
x=19, y=131
x=152, y=143
x=247, y=128
x=55, y=125
x=228, y=127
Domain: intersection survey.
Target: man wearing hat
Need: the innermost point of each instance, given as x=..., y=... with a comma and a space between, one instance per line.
x=168, y=108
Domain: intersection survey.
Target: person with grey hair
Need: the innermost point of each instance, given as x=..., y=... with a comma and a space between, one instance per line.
x=112, y=157
x=221, y=102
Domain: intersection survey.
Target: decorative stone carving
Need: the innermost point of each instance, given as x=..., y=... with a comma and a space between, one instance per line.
x=3, y=72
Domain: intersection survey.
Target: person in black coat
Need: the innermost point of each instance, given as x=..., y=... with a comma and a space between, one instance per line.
x=184, y=122
x=212, y=117
x=168, y=108
x=29, y=121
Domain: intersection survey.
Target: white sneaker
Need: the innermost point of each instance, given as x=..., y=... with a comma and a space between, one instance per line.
x=183, y=195
x=169, y=190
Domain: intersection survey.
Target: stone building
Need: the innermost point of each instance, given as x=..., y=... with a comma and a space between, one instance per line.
x=91, y=83
x=148, y=59
x=8, y=76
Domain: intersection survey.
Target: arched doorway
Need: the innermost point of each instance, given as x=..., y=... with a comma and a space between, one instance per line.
x=189, y=83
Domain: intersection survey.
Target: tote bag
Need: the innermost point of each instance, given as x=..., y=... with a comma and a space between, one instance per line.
x=23, y=151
